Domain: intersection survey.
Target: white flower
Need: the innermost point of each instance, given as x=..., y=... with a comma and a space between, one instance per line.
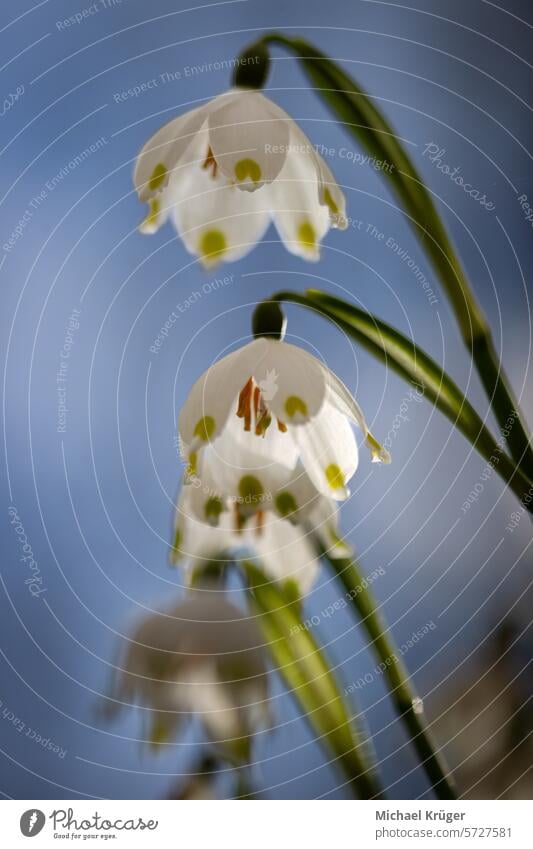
x=307, y=418
x=226, y=168
x=208, y=527
x=202, y=657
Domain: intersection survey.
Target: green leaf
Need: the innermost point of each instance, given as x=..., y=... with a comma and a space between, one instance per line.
x=407, y=359
x=307, y=674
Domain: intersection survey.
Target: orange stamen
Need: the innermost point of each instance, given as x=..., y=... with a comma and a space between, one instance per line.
x=244, y=409
x=282, y=426
x=210, y=162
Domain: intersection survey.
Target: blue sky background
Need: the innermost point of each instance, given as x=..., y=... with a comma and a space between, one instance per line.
x=96, y=501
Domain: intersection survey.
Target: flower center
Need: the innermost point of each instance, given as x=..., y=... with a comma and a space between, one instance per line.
x=254, y=410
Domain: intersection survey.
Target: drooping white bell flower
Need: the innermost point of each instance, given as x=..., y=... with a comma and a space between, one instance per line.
x=270, y=384
x=208, y=527
x=202, y=657
x=226, y=168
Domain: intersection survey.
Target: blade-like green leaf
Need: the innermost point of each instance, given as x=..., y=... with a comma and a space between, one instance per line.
x=366, y=123
x=307, y=673
x=406, y=358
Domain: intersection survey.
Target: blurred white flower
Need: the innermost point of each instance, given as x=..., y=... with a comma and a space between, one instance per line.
x=203, y=657
x=226, y=168
x=307, y=418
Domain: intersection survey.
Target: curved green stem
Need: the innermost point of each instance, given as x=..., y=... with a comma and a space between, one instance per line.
x=407, y=359
x=364, y=121
x=402, y=693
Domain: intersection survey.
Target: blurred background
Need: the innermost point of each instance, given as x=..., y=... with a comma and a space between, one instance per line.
x=93, y=487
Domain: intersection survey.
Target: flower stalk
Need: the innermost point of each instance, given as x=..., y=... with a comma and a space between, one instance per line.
x=402, y=693
x=365, y=122
x=408, y=360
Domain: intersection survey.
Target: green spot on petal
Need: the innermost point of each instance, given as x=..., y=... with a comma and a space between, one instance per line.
x=378, y=452
x=157, y=177
x=191, y=468
x=205, y=428
x=250, y=488
x=334, y=476
x=294, y=404
x=248, y=168
x=306, y=235
x=149, y=225
x=285, y=504
x=176, y=546
x=213, y=509
x=332, y=206
x=213, y=245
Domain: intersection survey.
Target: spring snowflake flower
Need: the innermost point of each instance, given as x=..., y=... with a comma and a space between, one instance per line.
x=306, y=412
x=226, y=168
x=202, y=657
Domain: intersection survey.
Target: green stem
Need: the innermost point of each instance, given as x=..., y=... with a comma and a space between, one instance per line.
x=308, y=676
x=395, y=673
x=363, y=120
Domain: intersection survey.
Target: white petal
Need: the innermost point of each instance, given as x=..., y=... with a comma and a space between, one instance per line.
x=341, y=398
x=195, y=538
x=163, y=151
x=295, y=380
x=248, y=469
x=300, y=219
x=329, y=193
x=213, y=396
x=298, y=498
x=286, y=553
x=216, y=221
x=324, y=521
x=249, y=136
x=328, y=451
